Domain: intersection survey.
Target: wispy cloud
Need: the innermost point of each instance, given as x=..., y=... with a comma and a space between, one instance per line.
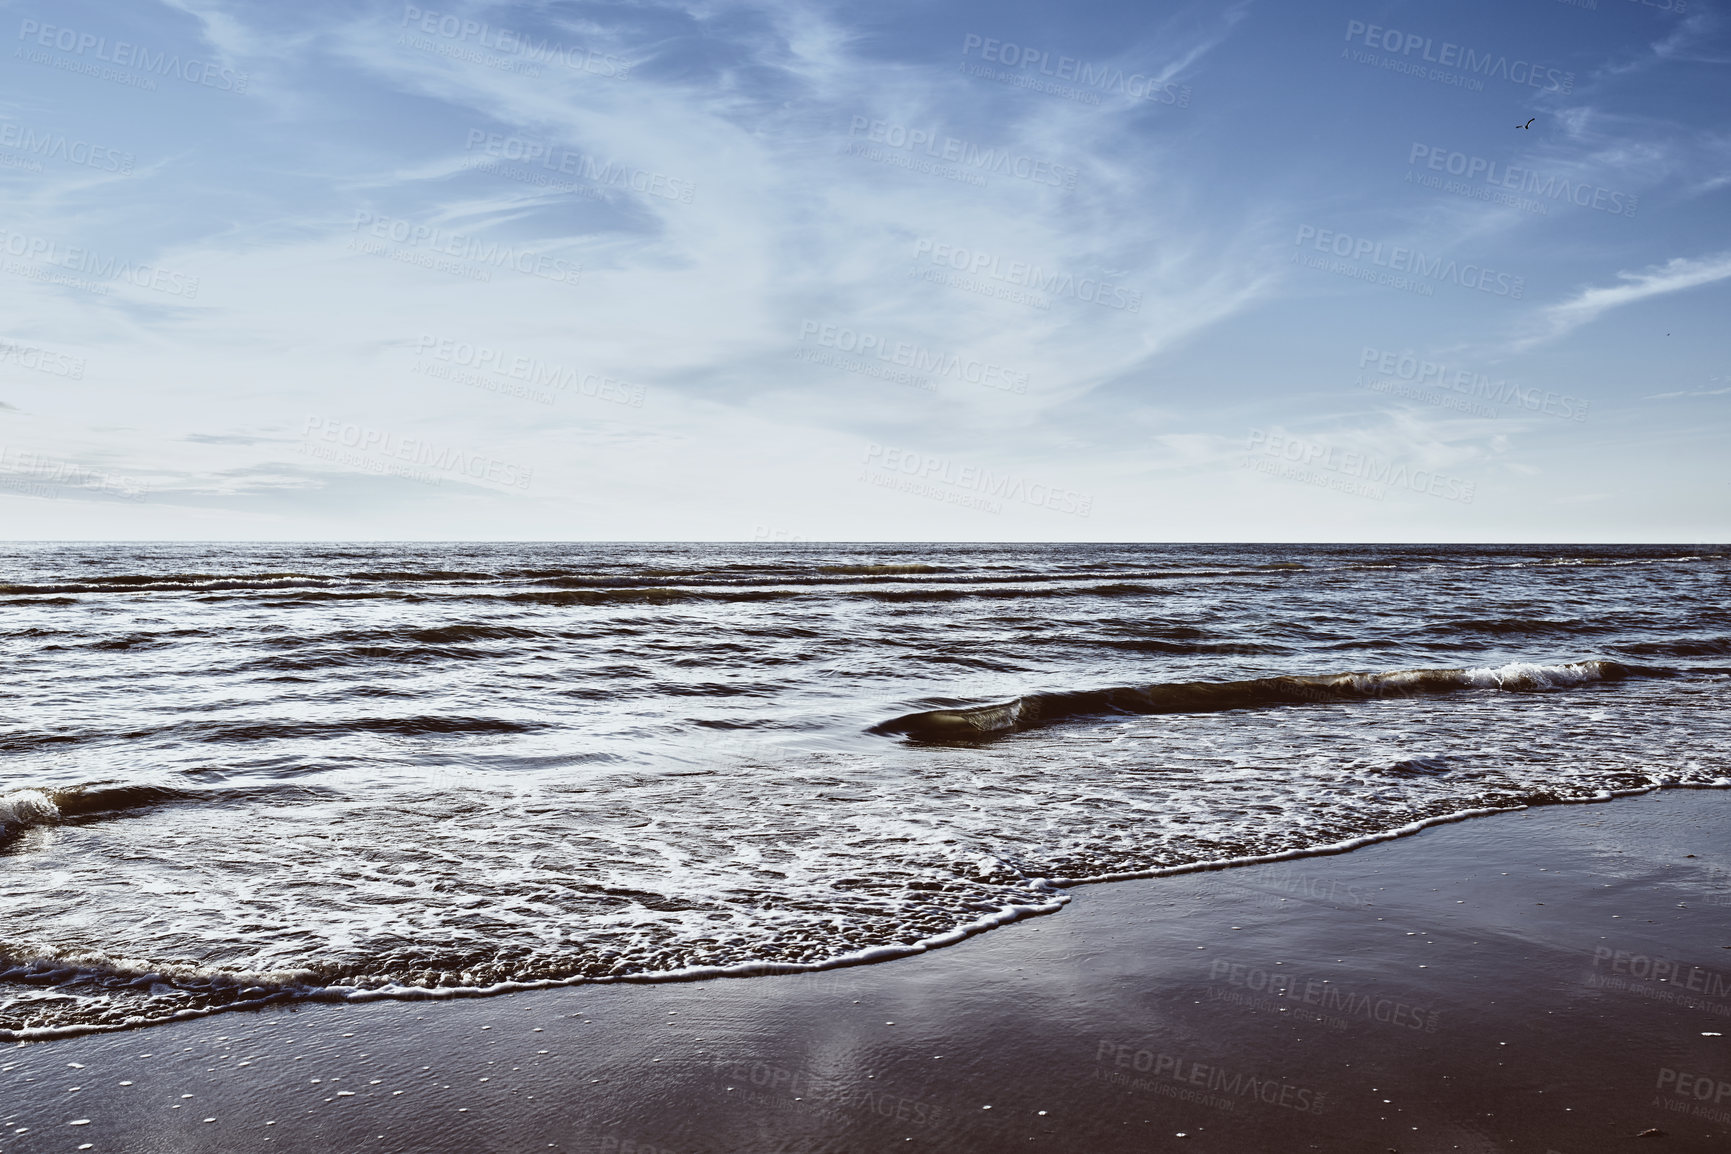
x=1078, y=246
x=1676, y=275
x=1688, y=393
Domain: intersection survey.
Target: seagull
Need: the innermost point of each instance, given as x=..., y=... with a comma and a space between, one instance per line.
x=1527, y=125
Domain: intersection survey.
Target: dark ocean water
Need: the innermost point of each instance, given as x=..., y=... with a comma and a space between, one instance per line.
x=236, y=773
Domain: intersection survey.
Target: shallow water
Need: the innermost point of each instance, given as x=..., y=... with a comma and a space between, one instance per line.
x=243, y=772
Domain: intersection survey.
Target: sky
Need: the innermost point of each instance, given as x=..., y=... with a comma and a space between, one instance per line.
x=866, y=272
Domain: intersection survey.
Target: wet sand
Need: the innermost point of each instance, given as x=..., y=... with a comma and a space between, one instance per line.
x=1549, y=980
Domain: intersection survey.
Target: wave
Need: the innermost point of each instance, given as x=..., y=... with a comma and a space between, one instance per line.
x=221, y=990
x=653, y=596
x=876, y=570
x=1680, y=647
x=236, y=733
x=158, y=992
x=1040, y=709
x=200, y=991
x=370, y=642
x=1029, y=588
x=226, y=734
x=721, y=582
x=21, y=809
x=24, y=808
x=1526, y=625
x=179, y=583
x=458, y=634
x=989, y=592
x=1225, y=647
x=30, y=742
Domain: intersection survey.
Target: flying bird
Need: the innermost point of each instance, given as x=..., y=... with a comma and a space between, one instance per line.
x=1527, y=125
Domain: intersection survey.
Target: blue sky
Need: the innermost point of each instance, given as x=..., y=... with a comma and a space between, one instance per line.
x=866, y=272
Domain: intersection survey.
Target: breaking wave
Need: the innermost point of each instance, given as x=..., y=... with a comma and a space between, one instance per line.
x=1041, y=709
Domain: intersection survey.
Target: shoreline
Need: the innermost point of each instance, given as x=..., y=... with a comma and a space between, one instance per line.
x=1216, y=1001
x=873, y=955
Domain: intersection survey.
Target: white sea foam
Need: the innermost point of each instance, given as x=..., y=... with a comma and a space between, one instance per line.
x=26, y=807
x=1532, y=675
x=365, y=772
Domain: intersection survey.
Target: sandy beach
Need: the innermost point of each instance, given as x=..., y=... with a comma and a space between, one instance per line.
x=1556, y=979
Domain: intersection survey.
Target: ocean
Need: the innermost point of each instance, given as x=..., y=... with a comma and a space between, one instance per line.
x=245, y=774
